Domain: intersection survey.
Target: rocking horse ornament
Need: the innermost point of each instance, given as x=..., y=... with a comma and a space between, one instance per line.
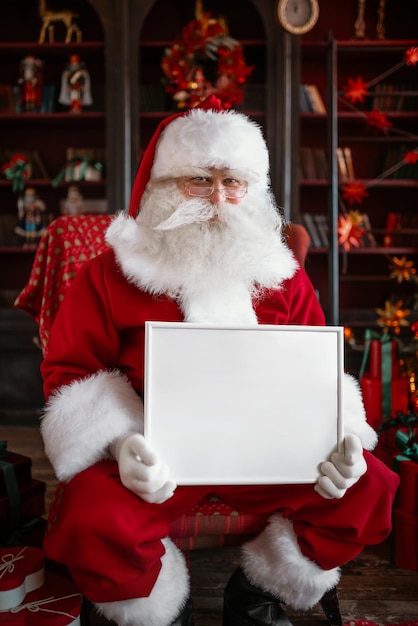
x=49, y=17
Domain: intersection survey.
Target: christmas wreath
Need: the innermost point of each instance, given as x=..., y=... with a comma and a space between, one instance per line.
x=200, y=44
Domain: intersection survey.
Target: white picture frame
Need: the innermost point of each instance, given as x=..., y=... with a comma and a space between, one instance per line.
x=243, y=405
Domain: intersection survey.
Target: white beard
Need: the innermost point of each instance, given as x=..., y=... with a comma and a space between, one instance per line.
x=213, y=267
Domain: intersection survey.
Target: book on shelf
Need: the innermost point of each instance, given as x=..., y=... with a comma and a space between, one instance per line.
x=345, y=164
x=342, y=165
x=309, y=223
x=313, y=163
x=348, y=157
x=390, y=97
x=307, y=163
x=321, y=163
x=369, y=239
x=321, y=222
x=311, y=100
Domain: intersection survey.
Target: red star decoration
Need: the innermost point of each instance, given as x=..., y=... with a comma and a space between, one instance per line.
x=354, y=192
x=411, y=157
x=411, y=56
x=378, y=120
x=355, y=90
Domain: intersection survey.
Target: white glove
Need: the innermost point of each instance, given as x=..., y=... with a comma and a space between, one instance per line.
x=141, y=470
x=344, y=469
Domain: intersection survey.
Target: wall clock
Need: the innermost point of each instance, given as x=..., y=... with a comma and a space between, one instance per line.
x=297, y=16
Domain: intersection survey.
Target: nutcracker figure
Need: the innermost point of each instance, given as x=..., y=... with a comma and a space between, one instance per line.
x=30, y=83
x=75, y=85
x=31, y=216
x=73, y=204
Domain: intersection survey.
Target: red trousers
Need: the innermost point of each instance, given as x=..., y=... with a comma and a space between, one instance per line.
x=111, y=540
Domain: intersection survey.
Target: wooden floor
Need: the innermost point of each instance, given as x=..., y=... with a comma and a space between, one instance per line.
x=370, y=589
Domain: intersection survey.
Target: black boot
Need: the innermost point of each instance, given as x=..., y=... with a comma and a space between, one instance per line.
x=247, y=605
x=186, y=616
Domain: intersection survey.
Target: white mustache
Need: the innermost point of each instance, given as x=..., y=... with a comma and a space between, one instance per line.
x=189, y=212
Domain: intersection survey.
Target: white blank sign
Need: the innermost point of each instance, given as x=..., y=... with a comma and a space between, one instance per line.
x=251, y=405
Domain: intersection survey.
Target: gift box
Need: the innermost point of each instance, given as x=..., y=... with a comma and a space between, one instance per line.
x=82, y=170
x=82, y=167
x=21, y=466
x=56, y=603
x=406, y=512
x=385, y=391
x=25, y=525
x=372, y=390
x=406, y=540
x=22, y=501
x=405, y=426
x=22, y=570
x=407, y=499
x=32, y=502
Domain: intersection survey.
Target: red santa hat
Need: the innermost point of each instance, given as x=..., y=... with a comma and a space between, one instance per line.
x=201, y=138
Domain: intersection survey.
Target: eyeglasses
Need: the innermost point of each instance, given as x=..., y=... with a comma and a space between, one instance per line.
x=201, y=188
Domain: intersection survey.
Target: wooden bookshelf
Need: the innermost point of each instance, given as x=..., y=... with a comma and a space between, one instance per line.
x=373, y=153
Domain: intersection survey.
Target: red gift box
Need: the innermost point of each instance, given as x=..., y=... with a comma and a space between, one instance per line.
x=32, y=503
x=21, y=571
x=385, y=392
x=384, y=453
x=406, y=540
x=386, y=449
x=372, y=390
x=407, y=500
x=56, y=603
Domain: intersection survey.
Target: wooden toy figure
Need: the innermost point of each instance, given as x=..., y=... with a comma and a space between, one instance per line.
x=31, y=216
x=30, y=83
x=75, y=85
x=73, y=204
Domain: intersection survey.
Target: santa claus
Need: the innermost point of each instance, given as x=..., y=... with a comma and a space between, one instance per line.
x=202, y=242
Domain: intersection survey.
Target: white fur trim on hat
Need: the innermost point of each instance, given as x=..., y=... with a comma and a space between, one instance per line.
x=83, y=418
x=273, y=562
x=166, y=600
x=212, y=139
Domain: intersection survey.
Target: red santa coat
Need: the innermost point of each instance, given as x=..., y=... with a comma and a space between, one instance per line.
x=93, y=373
x=96, y=349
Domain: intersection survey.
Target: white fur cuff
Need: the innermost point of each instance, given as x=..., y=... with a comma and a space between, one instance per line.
x=273, y=561
x=166, y=600
x=82, y=419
